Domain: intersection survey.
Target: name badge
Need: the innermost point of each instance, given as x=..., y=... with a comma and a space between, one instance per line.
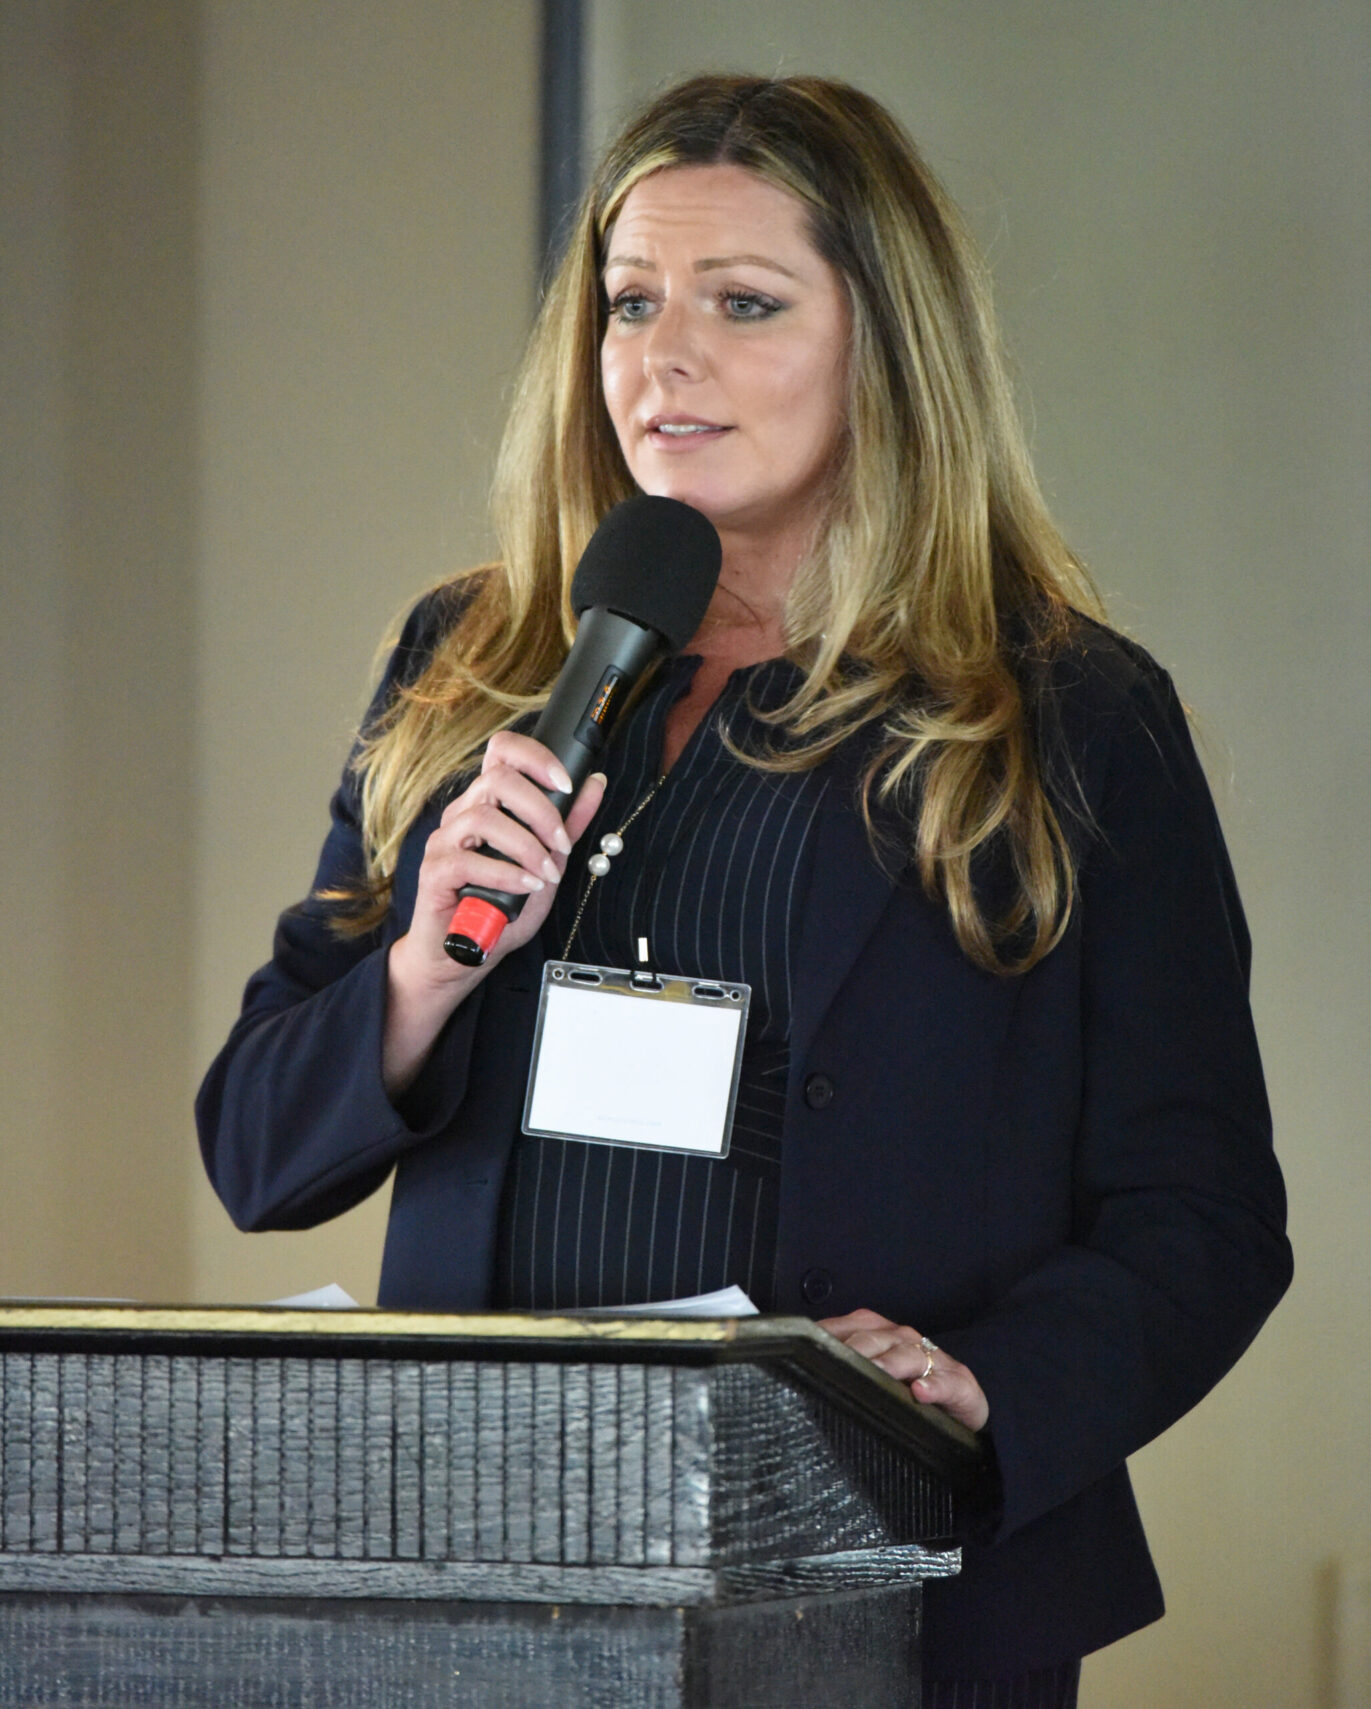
x=644, y=1059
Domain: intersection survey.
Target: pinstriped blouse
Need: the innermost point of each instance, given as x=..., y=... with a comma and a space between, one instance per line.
x=712, y=873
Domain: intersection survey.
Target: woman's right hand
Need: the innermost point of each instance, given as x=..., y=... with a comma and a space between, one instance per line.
x=505, y=808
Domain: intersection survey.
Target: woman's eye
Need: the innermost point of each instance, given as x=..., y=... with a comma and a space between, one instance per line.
x=749, y=305
x=628, y=305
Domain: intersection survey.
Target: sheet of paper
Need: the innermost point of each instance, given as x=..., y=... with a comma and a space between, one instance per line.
x=329, y=1298
x=724, y=1302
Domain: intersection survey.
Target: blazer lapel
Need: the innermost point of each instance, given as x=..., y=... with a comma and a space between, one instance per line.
x=847, y=894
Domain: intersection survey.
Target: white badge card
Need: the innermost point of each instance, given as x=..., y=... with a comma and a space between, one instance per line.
x=645, y=1059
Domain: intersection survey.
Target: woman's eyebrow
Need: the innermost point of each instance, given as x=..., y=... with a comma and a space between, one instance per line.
x=712, y=262
x=708, y=264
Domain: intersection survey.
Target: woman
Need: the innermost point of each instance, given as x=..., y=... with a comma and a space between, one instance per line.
x=1000, y=1087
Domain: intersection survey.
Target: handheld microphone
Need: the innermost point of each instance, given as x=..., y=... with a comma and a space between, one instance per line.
x=641, y=589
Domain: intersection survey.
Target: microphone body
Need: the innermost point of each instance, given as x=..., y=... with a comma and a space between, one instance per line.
x=608, y=656
x=640, y=589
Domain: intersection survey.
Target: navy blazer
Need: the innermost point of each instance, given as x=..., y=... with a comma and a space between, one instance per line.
x=1065, y=1178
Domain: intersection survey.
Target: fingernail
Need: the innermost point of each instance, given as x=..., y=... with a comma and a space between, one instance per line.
x=551, y=872
x=532, y=881
x=597, y=777
x=560, y=780
x=562, y=841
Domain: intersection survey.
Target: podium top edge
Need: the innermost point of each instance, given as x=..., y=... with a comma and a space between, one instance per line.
x=263, y=1330
x=369, y=1323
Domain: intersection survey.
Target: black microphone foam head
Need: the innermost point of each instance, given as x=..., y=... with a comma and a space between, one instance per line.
x=654, y=561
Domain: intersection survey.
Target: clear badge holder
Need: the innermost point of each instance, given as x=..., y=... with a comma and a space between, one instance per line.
x=636, y=1058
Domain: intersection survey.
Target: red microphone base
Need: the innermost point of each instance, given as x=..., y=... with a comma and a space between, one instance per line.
x=474, y=930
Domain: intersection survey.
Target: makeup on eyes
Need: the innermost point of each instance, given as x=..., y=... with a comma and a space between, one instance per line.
x=740, y=303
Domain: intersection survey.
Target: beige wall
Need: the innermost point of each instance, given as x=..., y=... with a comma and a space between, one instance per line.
x=1175, y=198
x=368, y=207
x=266, y=270
x=98, y=507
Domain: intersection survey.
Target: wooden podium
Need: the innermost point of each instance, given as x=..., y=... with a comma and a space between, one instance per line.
x=256, y=1508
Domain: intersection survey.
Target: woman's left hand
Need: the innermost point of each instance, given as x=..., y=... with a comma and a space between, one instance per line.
x=935, y=1378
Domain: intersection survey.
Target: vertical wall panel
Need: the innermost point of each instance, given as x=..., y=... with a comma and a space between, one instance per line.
x=368, y=261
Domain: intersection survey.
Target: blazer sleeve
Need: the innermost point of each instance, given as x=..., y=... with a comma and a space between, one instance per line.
x=1178, y=1250
x=294, y=1121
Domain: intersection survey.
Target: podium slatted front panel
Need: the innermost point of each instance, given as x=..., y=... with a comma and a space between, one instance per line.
x=366, y=1508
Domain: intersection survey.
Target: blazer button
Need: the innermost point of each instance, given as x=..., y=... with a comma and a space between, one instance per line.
x=816, y=1286
x=818, y=1091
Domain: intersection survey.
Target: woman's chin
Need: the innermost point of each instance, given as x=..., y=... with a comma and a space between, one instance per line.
x=695, y=493
x=686, y=478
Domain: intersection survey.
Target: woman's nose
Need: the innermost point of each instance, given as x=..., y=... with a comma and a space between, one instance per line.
x=673, y=346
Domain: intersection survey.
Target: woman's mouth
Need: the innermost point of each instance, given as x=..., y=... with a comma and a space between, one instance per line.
x=665, y=430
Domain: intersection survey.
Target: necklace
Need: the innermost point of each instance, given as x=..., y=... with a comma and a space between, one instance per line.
x=611, y=844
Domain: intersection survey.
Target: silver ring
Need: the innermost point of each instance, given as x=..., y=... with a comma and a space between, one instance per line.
x=929, y=1346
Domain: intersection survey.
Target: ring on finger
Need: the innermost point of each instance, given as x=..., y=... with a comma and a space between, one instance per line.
x=927, y=1371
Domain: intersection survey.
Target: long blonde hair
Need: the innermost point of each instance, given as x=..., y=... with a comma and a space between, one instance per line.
x=938, y=580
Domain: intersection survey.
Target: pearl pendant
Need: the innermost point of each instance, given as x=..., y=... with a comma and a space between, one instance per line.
x=612, y=844
x=598, y=864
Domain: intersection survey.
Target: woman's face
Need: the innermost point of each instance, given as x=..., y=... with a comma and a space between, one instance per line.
x=724, y=362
